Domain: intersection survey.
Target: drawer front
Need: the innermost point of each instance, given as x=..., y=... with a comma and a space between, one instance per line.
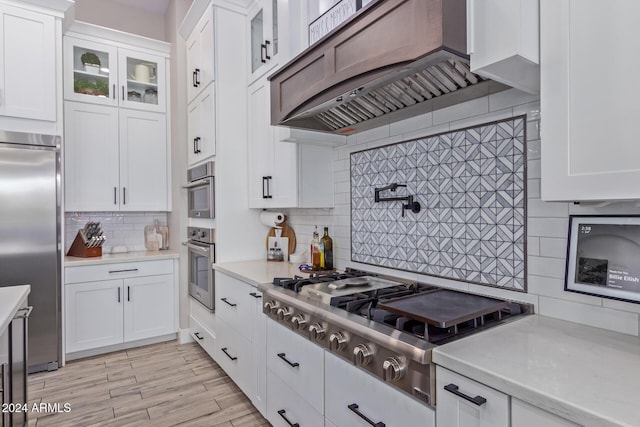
x=489, y=408
x=203, y=315
x=352, y=394
x=233, y=354
x=285, y=407
x=298, y=362
x=234, y=305
x=93, y=273
x=202, y=335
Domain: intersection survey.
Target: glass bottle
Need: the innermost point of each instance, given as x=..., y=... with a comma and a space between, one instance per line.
x=327, y=244
x=315, y=251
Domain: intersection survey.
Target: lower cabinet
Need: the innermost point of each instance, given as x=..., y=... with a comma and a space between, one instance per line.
x=525, y=415
x=101, y=313
x=286, y=408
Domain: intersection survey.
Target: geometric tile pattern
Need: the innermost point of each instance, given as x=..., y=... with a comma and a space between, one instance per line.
x=471, y=184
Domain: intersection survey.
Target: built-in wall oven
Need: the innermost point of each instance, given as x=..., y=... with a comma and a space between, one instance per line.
x=202, y=252
x=201, y=188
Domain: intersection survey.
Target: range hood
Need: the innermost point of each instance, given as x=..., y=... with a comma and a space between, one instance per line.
x=392, y=60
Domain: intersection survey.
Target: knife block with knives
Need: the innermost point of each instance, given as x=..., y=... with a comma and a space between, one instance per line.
x=88, y=242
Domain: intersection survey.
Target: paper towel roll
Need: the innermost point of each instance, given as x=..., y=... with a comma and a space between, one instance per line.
x=271, y=219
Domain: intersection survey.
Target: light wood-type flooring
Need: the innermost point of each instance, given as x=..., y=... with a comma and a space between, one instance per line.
x=158, y=385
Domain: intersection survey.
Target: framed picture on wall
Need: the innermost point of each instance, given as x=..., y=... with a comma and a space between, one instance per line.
x=603, y=257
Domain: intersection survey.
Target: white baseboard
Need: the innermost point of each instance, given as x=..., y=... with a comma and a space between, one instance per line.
x=117, y=347
x=184, y=336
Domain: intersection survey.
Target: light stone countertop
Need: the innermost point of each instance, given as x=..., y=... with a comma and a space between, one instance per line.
x=588, y=375
x=10, y=302
x=259, y=272
x=71, y=261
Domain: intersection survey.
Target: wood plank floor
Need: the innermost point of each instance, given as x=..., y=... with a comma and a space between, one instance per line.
x=159, y=385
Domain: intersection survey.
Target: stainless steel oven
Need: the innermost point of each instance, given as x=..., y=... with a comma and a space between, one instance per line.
x=202, y=250
x=201, y=188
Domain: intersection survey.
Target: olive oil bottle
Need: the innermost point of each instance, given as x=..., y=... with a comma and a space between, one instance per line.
x=327, y=244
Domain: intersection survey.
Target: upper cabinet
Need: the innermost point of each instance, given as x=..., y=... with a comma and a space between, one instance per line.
x=200, y=56
x=503, y=41
x=104, y=74
x=264, y=37
x=28, y=71
x=589, y=144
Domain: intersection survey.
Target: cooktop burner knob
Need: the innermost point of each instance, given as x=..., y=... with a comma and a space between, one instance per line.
x=338, y=341
x=362, y=355
x=284, y=313
x=316, y=332
x=298, y=321
x=393, y=369
x=271, y=306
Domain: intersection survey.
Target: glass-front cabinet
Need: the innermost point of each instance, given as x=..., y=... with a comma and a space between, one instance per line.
x=107, y=75
x=264, y=37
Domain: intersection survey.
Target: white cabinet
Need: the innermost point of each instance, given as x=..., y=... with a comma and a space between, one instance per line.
x=525, y=415
x=589, y=149
x=264, y=37
x=200, y=56
x=284, y=174
x=503, y=41
x=462, y=402
x=258, y=353
x=116, y=303
x=115, y=159
x=102, y=73
x=27, y=64
x=286, y=408
x=352, y=394
x=201, y=128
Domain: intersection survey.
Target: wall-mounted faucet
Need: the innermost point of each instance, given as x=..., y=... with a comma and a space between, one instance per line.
x=411, y=204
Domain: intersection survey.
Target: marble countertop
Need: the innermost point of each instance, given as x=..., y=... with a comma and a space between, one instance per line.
x=10, y=302
x=258, y=272
x=587, y=375
x=70, y=261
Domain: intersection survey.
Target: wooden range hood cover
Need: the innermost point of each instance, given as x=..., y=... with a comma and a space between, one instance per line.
x=392, y=60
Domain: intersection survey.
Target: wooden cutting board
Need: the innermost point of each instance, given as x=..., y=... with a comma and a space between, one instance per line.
x=286, y=232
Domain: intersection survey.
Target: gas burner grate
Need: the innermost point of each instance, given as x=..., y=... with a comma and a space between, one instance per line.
x=296, y=282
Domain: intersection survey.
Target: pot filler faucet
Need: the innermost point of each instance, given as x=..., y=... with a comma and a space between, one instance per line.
x=411, y=204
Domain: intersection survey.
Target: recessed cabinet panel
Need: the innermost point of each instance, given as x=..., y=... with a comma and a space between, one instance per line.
x=200, y=56
x=201, y=142
x=149, y=311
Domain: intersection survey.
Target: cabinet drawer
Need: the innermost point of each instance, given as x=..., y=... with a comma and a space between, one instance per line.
x=203, y=315
x=283, y=402
x=234, y=304
x=351, y=394
x=298, y=362
x=202, y=335
x=490, y=407
x=233, y=354
x=92, y=273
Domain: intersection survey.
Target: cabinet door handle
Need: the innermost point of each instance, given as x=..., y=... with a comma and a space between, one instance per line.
x=123, y=92
x=197, y=335
x=283, y=356
x=195, y=149
x=122, y=271
x=255, y=295
x=118, y=293
x=193, y=79
x=115, y=195
x=196, y=144
x=269, y=188
x=224, y=350
x=264, y=187
x=478, y=400
x=197, y=77
x=354, y=408
x=263, y=53
x=228, y=303
x=128, y=293
x=124, y=195
x=113, y=90
x=266, y=49
x=282, y=413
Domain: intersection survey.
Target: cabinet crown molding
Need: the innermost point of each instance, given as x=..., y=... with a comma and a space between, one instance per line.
x=117, y=38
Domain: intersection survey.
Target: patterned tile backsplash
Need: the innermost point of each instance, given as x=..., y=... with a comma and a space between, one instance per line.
x=471, y=187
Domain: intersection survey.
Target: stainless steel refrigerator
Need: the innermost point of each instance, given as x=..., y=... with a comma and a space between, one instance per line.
x=30, y=236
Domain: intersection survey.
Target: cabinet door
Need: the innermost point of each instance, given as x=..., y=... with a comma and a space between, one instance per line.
x=589, y=149
x=258, y=353
x=91, y=157
x=144, y=166
x=525, y=415
x=93, y=314
x=149, y=308
x=234, y=305
x=201, y=127
x=200, y=56
x=264, y=36
x=260, y=145
x=90, y=72
x=286, y=408
x=28, y=64
x=455, y=410
x=142, y=81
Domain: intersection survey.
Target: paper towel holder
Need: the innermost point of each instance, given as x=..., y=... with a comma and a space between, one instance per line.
x=272, y=219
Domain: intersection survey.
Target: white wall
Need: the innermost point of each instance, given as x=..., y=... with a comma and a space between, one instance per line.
x=547, y=223
x=114, y=15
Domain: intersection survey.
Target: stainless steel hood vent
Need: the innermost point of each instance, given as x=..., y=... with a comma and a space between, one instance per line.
x=393, y=60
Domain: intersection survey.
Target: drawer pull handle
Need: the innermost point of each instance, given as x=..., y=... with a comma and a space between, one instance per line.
x=354, y=407
x=122, y=271
x=224, y=350
x=282, y=413
x=255, y=295
x=283, y=356
x=229, y=303
x=478, y=400
x=197, y=335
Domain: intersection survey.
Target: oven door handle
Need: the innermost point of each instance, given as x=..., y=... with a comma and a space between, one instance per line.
x=196, y=247
x=197, y=183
